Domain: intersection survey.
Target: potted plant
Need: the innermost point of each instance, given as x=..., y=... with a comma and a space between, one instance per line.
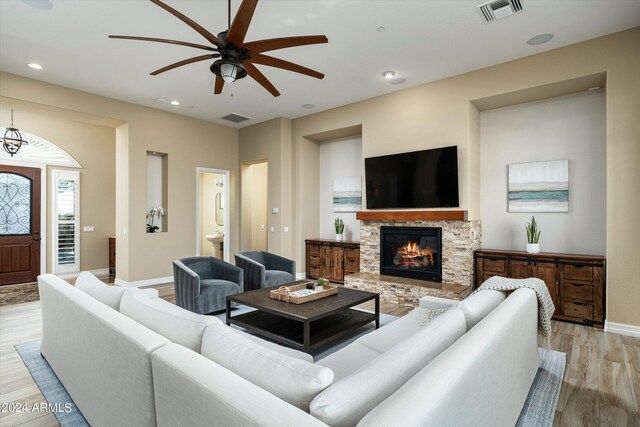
x=533, y=236
x=339, y=224
x=151, y=215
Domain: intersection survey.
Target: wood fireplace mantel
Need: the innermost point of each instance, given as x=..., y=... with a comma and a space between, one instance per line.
x=411, y=215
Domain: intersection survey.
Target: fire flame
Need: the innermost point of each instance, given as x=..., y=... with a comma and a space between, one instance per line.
x=413, y=255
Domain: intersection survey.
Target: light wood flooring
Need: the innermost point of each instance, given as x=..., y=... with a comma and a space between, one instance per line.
x=601, y=386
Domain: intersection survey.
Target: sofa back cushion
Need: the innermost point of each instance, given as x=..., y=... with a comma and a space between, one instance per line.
x=293, y=380
x=177, y=324
x=477, y=306
x=108, y=295
x=350, y=399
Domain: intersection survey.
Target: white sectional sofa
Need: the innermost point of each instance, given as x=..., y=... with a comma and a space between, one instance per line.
x=153, y=363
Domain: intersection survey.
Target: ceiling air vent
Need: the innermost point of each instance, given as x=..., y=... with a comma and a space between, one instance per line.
x=236, y=118
x=498, y=9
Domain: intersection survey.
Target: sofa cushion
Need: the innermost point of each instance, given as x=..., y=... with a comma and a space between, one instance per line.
x=351, y=398
x=293, y=380
x=383, y=339
x=108, y=295
x=349, y=359
x=277, y=347
x=277, y=277
x=175, y=323
x=477, y=306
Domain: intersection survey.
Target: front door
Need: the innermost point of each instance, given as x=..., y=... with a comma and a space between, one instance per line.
x=19, y=224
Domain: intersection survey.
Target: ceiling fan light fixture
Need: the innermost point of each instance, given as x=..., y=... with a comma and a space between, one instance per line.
x=229, y=70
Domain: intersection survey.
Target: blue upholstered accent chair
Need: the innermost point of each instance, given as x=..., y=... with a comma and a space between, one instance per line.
x=263, y=269
x=203, y=283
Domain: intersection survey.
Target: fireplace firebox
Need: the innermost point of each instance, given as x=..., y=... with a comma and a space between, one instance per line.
x=414, y=252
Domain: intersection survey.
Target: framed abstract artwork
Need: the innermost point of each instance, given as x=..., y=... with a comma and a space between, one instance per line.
x=539, y=186
x=347, y=194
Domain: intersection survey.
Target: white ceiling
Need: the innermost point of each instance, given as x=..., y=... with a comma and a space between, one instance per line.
x=424, y=41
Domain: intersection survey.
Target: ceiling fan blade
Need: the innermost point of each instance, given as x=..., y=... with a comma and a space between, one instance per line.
x=152, y=39
x=260, y=78
x=266, y=45
x=285, y=65
x=184, y=62
x=201, y=30
x=218, y=86
x=241, y=22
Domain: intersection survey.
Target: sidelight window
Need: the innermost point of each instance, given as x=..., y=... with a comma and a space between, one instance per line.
x=66, y=221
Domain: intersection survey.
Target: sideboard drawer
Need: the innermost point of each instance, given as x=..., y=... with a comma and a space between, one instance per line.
x=579, y=310
x=314, y=261
x=314, y=249
x=584, y=273
x=495, y=266
x=578, y=292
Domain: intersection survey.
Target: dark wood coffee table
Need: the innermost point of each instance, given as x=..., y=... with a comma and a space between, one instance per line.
x=307, y=327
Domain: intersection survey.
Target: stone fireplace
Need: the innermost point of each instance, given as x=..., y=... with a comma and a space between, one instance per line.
x=459, y=238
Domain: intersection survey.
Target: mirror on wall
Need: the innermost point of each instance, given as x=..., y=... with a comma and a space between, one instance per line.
x=219, y=209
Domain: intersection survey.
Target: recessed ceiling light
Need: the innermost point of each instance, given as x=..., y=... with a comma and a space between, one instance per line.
x=160, y=99
x=380, y=29
x=174, y=102
x=308, y=106
x=388, y=75
x=539, y=39
x=35, y=66
x=397, y=81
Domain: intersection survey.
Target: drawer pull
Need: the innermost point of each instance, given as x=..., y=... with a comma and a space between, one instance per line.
x=577, y=303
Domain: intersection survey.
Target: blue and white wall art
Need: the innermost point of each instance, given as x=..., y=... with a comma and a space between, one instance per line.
x=347, y=194
x=539, y=186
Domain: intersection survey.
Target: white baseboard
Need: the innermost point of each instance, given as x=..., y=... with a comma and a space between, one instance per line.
x=301, y=276
x=74, y=274
x=146, y=282
x=621, y=328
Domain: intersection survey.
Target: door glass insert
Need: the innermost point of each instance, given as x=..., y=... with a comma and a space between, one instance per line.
x=15, y=205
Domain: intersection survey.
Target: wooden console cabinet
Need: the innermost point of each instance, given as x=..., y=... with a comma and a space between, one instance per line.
x=576, y=282
x=112, y=254
x=332, y=259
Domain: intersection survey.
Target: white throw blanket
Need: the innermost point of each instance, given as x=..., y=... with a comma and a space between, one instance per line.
x=497, y=283
x=545, y=303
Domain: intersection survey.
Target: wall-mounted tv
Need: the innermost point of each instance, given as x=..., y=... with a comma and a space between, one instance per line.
x=419, y=179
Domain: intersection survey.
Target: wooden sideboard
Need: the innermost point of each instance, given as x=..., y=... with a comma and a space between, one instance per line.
x=576, y=282
x=332, y=259
x=112, y=254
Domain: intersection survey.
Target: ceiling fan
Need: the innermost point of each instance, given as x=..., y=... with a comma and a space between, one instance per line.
x=237, y=58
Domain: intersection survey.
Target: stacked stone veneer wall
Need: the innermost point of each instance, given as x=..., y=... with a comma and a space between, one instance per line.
x=459, y=240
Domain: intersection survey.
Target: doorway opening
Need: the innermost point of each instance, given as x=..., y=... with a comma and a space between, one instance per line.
x=254, y=212
x=212, y=195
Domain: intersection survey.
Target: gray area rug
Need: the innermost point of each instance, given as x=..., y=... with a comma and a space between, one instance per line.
x=540, y=407
x=538, y=411
x=60, y=403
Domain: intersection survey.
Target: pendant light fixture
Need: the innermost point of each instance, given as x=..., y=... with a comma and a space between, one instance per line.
x=12, y=139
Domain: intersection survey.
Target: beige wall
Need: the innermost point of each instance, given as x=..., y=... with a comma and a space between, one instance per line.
x=271, y=141
x=189, y=143
x=91, y=145
x=441, y=113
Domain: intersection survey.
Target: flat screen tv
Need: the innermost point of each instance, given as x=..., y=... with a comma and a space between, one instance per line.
x=419, y=179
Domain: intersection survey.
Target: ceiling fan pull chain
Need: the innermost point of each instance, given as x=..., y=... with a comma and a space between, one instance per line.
x=231, y=89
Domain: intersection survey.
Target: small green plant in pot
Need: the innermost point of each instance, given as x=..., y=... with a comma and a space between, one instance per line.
x=339, y=225
x=533, y=236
